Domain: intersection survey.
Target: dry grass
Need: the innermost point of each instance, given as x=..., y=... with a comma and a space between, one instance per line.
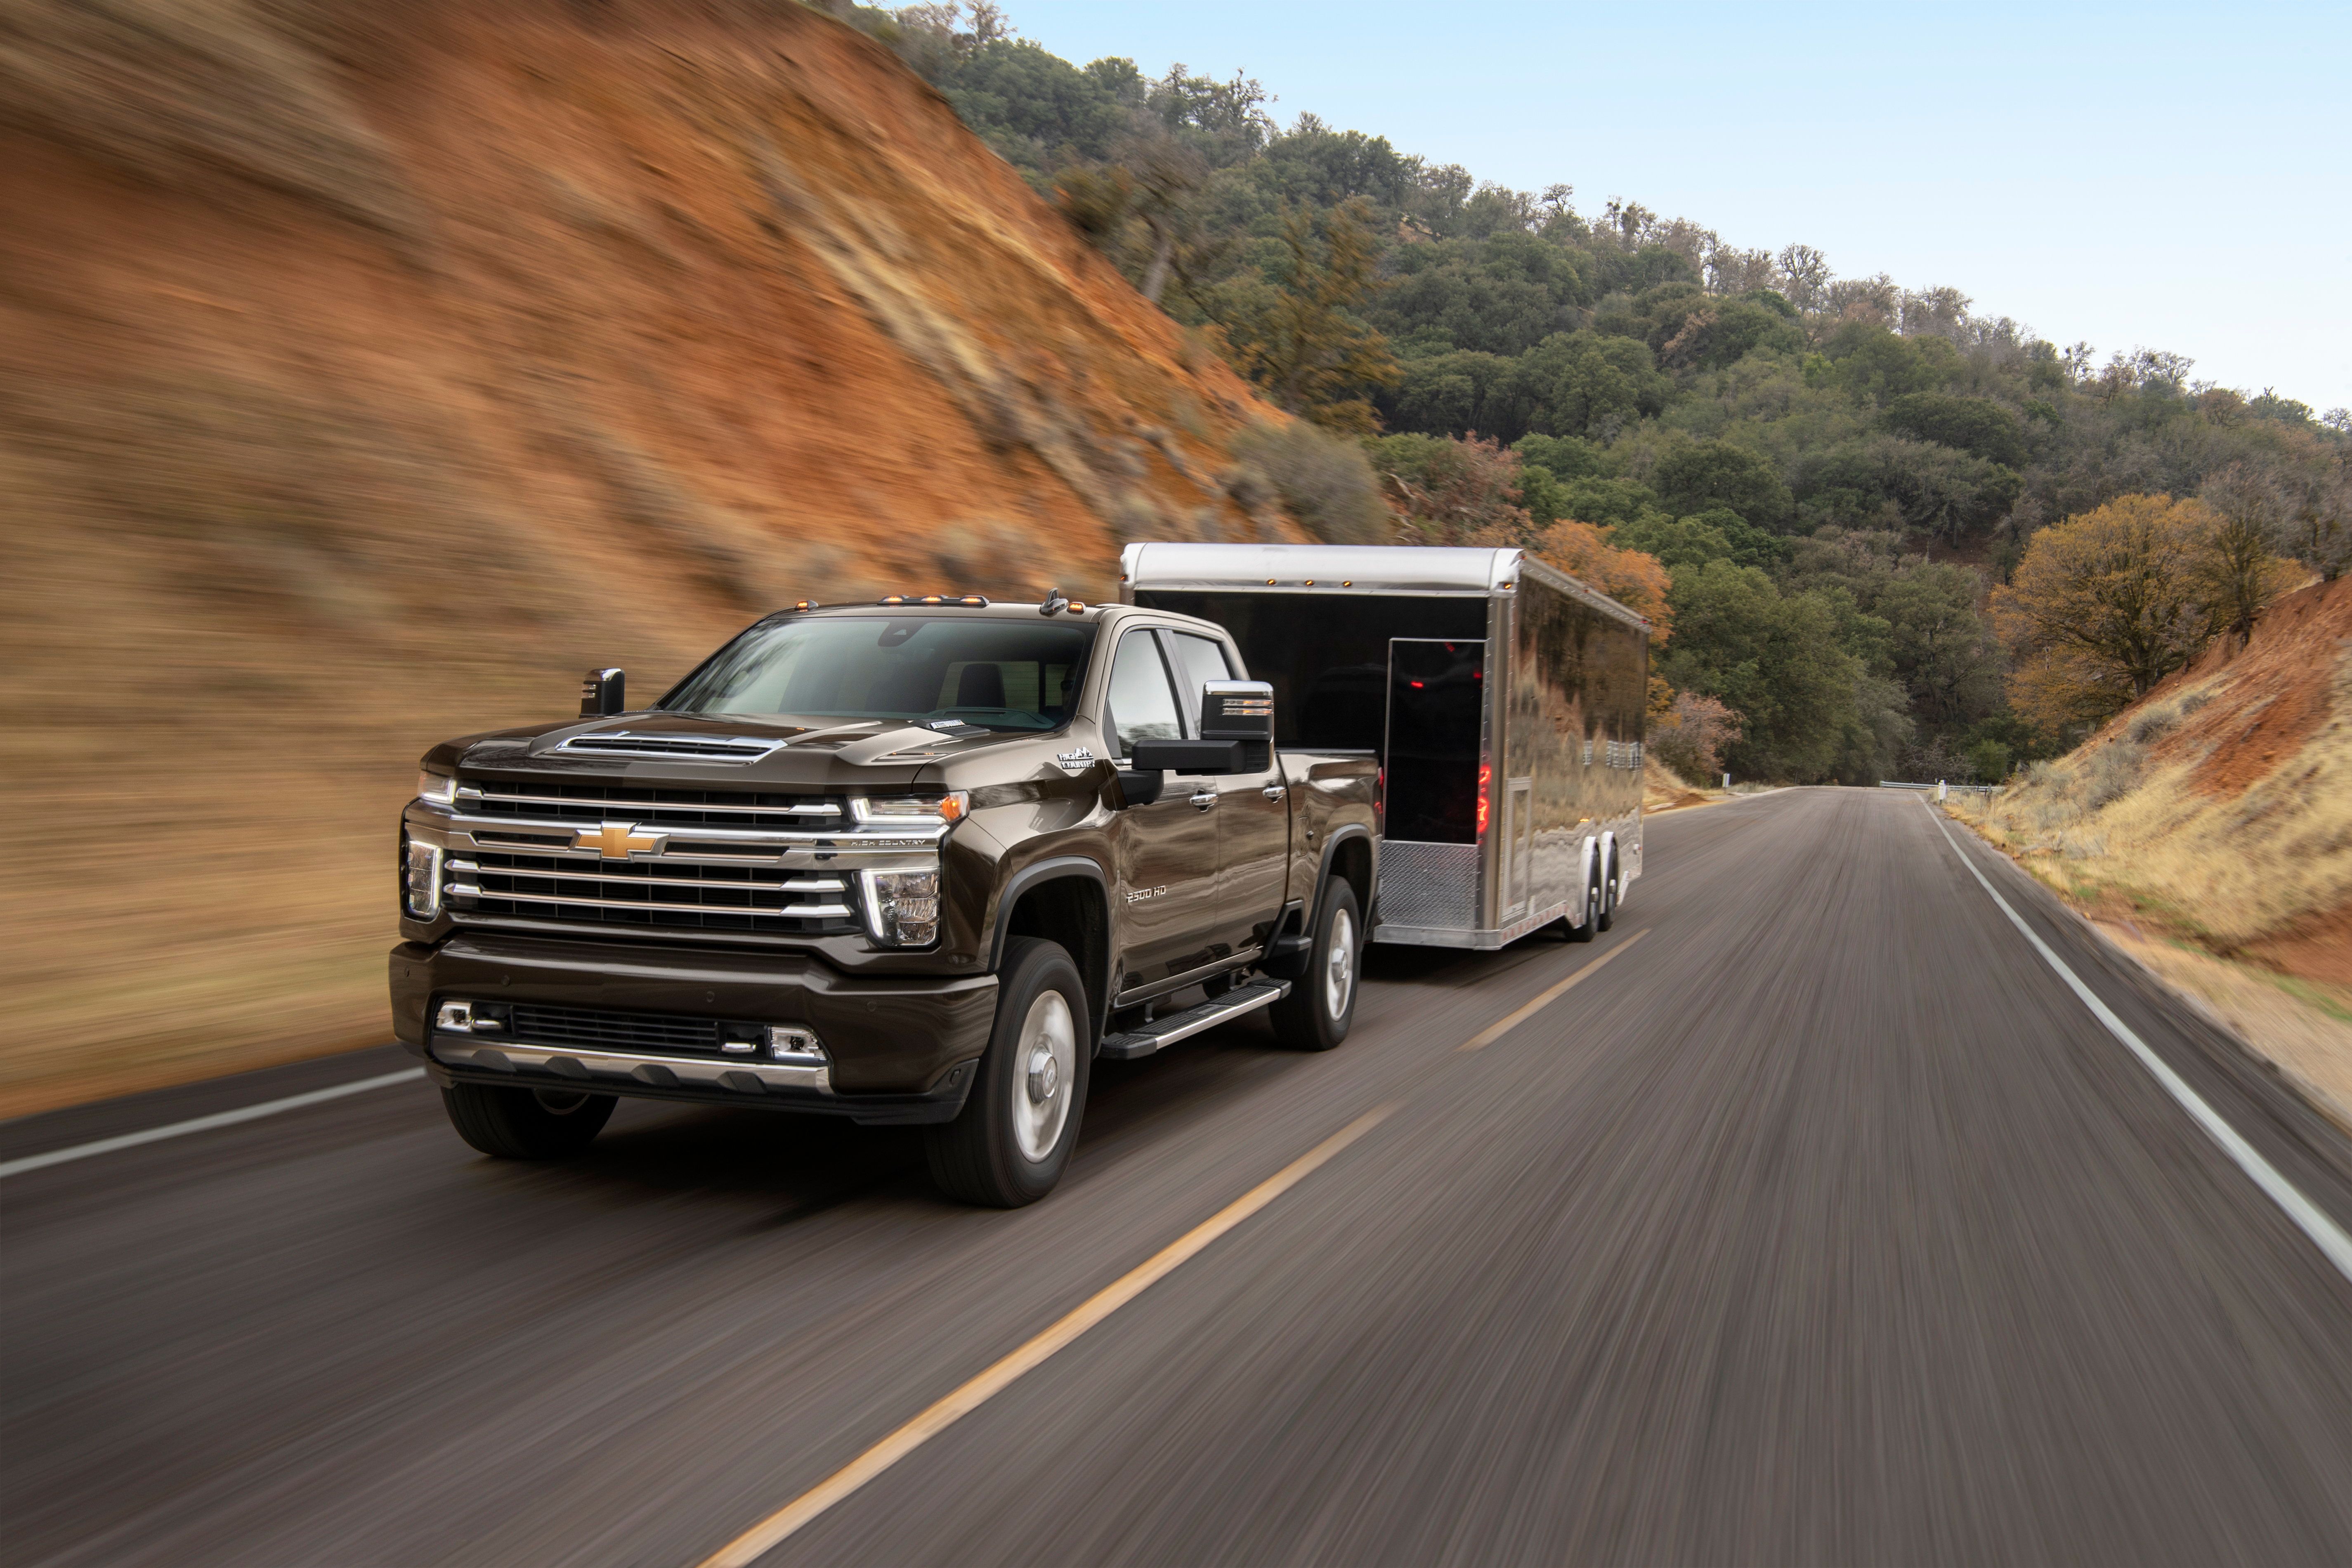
x=2119, y=820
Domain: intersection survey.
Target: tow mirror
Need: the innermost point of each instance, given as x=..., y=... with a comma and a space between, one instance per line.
x=601, y=693
x=1238, y=711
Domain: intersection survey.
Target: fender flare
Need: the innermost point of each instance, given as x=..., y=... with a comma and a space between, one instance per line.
x=1058, y=869
x=1286, y=957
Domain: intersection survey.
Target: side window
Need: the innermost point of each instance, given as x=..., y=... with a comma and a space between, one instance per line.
x=1141, y=708
x=1199, y=661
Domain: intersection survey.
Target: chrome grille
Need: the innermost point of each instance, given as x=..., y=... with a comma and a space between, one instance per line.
x=592, y=1028
x=765, y=899
x=551, y=802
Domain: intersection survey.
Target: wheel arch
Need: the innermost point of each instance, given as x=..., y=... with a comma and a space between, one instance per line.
x=1066, y=899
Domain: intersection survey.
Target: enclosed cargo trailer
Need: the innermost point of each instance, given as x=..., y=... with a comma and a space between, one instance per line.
x=1504, y=701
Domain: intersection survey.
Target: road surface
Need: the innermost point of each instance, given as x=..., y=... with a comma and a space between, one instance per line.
x=1822, y=1223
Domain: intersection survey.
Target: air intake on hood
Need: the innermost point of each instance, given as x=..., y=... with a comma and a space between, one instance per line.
x=707, y=749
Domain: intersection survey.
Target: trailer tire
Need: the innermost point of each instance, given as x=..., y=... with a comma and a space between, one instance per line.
x=1009, y=1143
x=525, y=1123
x=1321, y=1005
x=1608, y=916
x=1589, y=927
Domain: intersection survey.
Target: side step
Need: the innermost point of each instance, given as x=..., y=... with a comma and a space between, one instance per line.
x=1182, y=1025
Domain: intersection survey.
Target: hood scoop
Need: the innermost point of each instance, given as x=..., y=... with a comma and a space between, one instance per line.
x=692, y=748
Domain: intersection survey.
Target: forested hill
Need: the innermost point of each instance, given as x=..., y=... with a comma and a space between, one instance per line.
x=1832, y=471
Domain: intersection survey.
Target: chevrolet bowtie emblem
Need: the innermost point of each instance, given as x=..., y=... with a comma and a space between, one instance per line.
x=619, y=840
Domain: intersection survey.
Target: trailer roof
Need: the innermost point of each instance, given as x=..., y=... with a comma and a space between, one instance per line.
x=1387, y=569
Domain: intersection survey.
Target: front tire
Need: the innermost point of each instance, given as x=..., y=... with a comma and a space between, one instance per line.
x=1321, y=1005
x=1008, y=1144
x=526, y=1124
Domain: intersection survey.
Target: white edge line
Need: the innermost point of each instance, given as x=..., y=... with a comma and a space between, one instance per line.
x=2313, y=1222
x=205, y=1123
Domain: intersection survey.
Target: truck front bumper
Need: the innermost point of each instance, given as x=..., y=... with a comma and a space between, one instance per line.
x=898, y=1050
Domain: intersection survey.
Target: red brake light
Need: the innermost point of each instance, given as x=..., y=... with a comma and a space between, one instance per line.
x=1486, y=777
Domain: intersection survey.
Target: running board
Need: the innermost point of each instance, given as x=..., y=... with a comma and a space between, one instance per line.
x=1183, y=1025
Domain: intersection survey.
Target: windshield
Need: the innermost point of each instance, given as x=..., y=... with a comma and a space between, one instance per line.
x=994, y=674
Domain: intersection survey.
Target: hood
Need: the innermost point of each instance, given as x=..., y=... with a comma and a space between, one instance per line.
x=781, y=751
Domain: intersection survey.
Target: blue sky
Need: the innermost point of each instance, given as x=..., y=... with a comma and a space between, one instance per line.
x=2156, y=176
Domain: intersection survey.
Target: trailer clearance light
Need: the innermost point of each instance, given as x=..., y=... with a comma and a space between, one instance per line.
x=1486, y=777
x=902, y=908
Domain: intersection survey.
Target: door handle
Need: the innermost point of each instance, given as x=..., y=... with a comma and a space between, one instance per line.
x=1273, y=792
x=1205, y=799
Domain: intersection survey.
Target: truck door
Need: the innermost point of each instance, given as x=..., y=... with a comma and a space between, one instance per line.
x=1252, y=811
x=1166, y=851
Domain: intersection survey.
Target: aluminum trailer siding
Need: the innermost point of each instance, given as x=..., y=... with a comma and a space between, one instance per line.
x=1505, y=699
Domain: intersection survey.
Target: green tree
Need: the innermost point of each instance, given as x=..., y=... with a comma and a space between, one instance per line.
x=1715, y=473
x=1774, y=660
x=1974, y=424
x=1581, y=384
x=1304, y=347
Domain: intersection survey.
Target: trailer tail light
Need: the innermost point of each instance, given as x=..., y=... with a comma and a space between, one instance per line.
x=1486, y=777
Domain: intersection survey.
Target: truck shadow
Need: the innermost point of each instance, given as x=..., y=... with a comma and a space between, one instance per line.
x=797, y=1167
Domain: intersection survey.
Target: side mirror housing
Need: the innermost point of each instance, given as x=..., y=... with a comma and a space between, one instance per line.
x=601, y=693
x=1238, y=711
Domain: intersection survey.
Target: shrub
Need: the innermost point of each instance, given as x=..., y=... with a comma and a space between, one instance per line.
x=1691, y=741
x=2112, y=773
x=1989, y=761
x=1324, y=481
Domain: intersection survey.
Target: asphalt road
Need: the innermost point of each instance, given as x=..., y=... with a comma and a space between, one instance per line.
x=1822, y=1224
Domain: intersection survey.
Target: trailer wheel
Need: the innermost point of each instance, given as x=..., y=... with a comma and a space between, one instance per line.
x=1608, y=916
x=1321, y=1005
x=1589, y=927
x=525, y=1123
x=1008, y=1144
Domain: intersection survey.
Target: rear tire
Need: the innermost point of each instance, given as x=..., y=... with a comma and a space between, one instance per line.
x=1008, y=1144
x=1590, y=926
x=1609, y=897
x=1321, y=1005
x=526, y=1124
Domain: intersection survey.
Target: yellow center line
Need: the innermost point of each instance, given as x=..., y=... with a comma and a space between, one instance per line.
x=1493, y=1031
x=769, y=1533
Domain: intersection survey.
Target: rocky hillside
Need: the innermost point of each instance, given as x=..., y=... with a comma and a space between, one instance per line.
x=2218, y=808
x=365, y=372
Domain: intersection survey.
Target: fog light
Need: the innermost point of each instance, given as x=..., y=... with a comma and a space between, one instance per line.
x=472, y=1018
x=421, y=878
x=790, y=1042
x=903, y=907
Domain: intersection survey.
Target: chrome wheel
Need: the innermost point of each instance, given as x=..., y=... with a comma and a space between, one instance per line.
x=1339, y=966
x=1045, y=1064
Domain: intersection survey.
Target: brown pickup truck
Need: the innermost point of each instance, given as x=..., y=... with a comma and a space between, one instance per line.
x=920, y=860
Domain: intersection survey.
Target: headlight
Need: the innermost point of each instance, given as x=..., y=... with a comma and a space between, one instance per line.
x=420, y=878
x=436, y=789
x=902, y=908
x=907, y=810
